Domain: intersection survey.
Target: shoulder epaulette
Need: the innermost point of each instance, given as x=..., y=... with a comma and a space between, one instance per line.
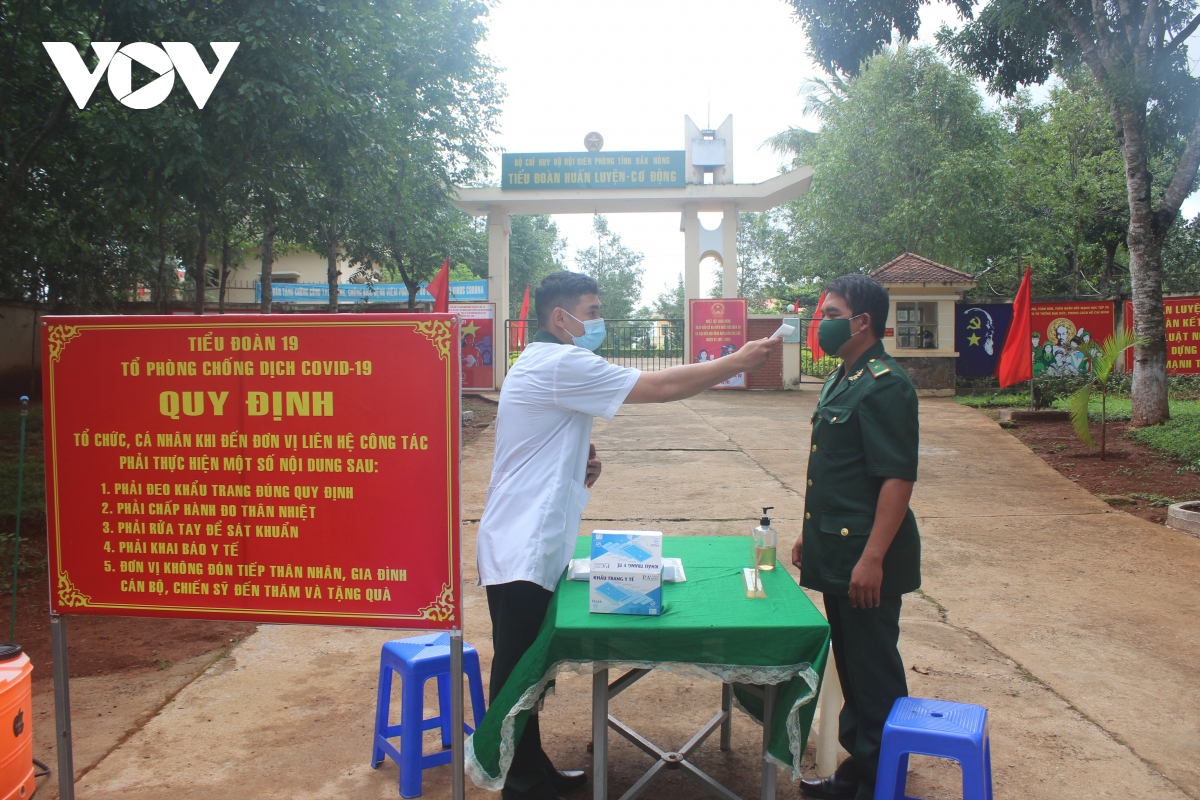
x=877, y=368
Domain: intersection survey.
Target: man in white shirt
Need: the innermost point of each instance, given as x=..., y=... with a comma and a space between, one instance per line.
x=544, y=465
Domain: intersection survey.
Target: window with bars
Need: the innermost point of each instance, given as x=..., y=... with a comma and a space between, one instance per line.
x=916, y=325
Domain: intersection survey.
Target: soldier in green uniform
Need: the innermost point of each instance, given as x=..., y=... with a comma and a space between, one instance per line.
x=860, y=546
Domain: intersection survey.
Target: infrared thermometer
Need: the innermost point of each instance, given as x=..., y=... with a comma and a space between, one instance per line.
x=783, y=331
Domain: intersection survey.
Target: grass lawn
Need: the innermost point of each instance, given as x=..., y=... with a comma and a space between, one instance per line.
x=994, y=400
x=1180, y=437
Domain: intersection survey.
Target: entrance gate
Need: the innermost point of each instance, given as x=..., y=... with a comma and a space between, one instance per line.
x=646, y=344
x=687, y=182
x=653, y=344
x=811, y=370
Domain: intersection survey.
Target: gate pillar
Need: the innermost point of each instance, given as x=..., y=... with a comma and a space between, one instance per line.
x=499, y=228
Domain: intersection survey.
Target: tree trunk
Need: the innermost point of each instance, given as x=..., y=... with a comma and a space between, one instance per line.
x=225, y=259
x=1103, y=424
x=409, y=281
x=1110, y=263
x=161, y=279
x=268, y=258
x=1145, y=241
x=198, y=272
x=331, y=268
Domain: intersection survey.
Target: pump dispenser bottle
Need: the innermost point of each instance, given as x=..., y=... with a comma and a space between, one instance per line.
x=764, y=542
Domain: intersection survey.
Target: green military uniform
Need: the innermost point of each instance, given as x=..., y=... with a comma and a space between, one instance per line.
x=865, y=431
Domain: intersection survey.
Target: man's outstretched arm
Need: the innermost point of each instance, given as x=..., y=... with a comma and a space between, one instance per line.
x=686, y=380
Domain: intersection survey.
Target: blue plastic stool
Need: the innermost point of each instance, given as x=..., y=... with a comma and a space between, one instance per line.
x=935, y=728
x=417, y=660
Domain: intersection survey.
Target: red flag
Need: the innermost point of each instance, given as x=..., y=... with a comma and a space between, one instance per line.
x=813, y=344
x=519, y=327
x=439, y=287
x=1016, y=358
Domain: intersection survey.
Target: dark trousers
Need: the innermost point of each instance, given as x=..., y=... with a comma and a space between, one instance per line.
x=872, y=677
x=517, y=610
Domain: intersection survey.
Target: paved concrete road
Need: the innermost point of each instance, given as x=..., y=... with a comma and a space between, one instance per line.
x=1074, y=624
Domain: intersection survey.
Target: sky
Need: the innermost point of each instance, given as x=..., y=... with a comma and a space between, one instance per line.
x=631, y=69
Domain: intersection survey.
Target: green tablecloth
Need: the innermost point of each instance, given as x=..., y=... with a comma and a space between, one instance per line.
x=707, y=628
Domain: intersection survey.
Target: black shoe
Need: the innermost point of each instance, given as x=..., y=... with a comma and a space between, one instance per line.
x=568, y=780
x=835, y=787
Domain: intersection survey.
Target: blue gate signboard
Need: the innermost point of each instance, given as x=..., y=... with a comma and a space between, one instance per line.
x=460, y=292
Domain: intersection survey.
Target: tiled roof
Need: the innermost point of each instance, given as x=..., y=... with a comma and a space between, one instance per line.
x=912, y=268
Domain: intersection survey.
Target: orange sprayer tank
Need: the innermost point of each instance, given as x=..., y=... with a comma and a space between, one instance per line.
x=16, y=729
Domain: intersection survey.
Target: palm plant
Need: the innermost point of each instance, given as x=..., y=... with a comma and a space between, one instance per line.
x=1103, y=365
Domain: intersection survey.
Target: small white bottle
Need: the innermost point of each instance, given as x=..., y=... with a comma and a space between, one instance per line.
x=764, y=542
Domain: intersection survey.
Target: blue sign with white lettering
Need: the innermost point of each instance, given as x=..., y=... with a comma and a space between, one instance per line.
x=460, y=292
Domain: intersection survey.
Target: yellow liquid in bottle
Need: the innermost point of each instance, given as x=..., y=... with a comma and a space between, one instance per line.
x=764, y=557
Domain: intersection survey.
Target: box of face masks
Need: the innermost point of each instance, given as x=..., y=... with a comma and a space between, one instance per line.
x=626, y=572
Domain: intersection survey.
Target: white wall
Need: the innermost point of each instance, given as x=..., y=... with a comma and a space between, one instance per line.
x=311, y=267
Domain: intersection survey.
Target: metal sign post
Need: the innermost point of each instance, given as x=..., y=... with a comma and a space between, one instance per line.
x=457, y=751
x=62, y=707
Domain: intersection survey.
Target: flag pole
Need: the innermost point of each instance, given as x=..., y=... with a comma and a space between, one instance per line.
x=1031, y=362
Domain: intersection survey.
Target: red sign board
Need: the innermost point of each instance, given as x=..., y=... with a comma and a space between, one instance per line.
x=477, y=352
x=1067, y=336
x=301, y=468
x=718, y=329
x=1182, y=323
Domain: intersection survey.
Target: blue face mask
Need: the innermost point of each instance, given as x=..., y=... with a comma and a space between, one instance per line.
x=593, y=333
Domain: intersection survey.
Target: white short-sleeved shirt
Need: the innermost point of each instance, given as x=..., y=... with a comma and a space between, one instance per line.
x=536, y=496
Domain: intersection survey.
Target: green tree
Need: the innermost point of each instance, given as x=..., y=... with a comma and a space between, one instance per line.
x=617, y=269
x=909, y=161
x=442, y=102
x=535, y=249
x=1181, y=258
x=1067, y=209
x=669, y=304
x=1136, y=53
x=305, y=141
x=766, y=261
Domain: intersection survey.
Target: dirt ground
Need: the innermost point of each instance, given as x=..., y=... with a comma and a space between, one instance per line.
x=1133, y=477
x=1047, y=613
x=484, y=412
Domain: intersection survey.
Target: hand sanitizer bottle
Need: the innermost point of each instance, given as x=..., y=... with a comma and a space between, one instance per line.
x=764, y=542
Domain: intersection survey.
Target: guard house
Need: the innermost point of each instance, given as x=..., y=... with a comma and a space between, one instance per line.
x=920, y=331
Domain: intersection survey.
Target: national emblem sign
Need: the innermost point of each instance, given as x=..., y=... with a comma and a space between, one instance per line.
x=718, y=328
